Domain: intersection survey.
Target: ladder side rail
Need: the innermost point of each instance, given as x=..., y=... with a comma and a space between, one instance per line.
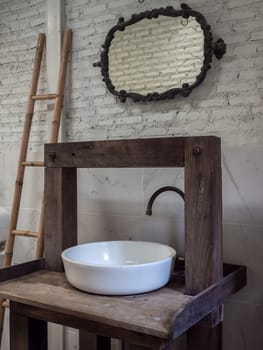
x=66, y=46
x=23, y=152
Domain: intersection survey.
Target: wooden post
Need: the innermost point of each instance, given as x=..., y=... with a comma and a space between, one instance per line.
x=27, y=333
x=127, y=346
x=60, y=230
x=198, y=336
x=203, y=229
x=92, y=342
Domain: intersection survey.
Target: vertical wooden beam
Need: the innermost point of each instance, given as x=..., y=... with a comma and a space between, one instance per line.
x=27, y=333
x=126, y=346
x=203, y=229
x=91, y=341
x=60, y=230
x=55, y=10
x=198, y=336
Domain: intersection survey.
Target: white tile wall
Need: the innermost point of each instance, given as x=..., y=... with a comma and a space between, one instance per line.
x=115, y=192
x=242, y=190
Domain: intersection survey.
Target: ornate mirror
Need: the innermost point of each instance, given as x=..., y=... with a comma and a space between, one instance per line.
x=158, y=54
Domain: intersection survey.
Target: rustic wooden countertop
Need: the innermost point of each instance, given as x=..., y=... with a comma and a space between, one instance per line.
x=164, y=313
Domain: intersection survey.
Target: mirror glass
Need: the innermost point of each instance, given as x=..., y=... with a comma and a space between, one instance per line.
x=156, y=55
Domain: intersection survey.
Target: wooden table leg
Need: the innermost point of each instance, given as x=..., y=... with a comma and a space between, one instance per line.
x=103, y=343
x=27, y=333
x=178, y=344
x=201, y=338
x=89, y=341
x=60, y=229
x=133, y=347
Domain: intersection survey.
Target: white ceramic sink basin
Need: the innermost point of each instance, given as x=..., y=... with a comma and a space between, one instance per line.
x=118, y=267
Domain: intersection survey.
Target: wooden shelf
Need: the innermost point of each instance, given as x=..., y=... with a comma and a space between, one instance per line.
x=162, y=314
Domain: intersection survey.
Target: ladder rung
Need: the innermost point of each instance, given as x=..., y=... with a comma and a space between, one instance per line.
x=56, y=104
x=25, y=233
x=45, y=97
x=5, y=303
x=33, y=163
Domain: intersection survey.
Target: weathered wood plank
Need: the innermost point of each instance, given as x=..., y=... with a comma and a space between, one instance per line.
x=162, y=152
x=163, y=314
x=60, y=229
x=91, y=341
x=207, y=300
x=203, y=213
x=133, y=347
x=200, y=335
x=87, y=340
x=150, y=313
x=8, y=273
x=203, y=226
x=93, y=327
x=61, y=226
x=27, y=333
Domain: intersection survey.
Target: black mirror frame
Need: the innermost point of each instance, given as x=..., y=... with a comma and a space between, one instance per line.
x=218, y=49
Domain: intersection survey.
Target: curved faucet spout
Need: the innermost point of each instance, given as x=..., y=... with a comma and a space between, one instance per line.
x=156, y=194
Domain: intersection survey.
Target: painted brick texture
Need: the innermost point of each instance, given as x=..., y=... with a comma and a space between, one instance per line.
x=227, y=103
x=20, y=23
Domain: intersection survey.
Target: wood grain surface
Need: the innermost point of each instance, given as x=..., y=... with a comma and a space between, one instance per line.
x=166, y=152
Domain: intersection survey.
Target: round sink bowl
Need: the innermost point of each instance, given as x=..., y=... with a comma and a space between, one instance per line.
x=118, y=267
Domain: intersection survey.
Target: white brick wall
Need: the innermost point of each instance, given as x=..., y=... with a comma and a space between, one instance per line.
x=20, y=23
x=233, y=81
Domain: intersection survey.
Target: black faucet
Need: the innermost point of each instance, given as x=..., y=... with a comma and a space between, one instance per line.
x=179, y=264
x=156, y=194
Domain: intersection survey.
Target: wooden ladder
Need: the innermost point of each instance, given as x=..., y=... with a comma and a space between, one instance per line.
x=23, y=162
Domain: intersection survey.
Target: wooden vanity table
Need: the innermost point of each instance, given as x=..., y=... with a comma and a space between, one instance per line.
x=39, y=292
